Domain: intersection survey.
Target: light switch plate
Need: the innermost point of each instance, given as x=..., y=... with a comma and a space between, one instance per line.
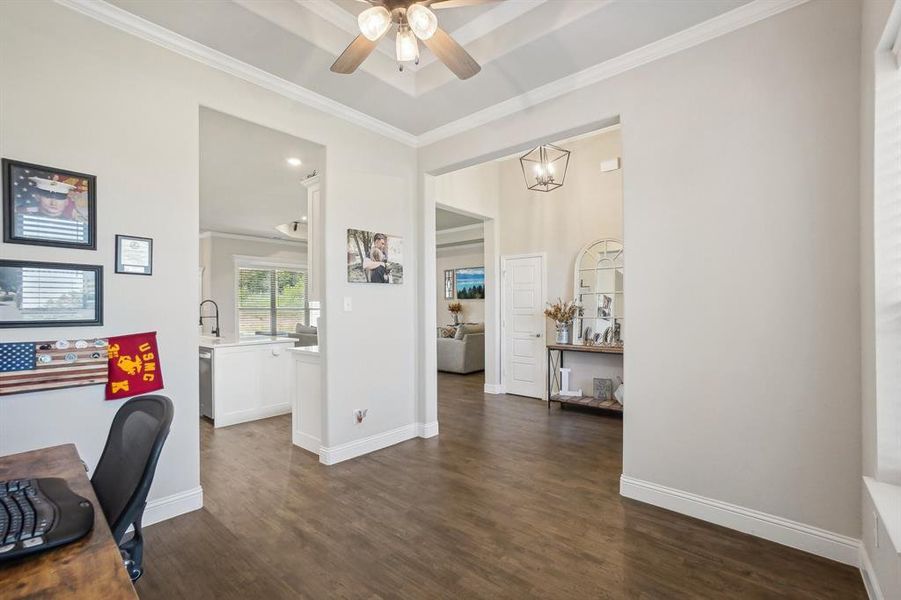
x=348, y=304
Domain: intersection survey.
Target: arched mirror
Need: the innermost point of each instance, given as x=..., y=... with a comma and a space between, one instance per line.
x=598, y=282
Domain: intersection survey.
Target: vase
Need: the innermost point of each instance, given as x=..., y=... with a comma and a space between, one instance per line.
x=456, y=318
x=562, y=333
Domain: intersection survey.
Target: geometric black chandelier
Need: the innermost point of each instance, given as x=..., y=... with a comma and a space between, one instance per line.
x=544, y=167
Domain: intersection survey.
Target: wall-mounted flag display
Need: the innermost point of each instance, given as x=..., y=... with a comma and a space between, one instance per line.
x=35, y=366
x=134, y=366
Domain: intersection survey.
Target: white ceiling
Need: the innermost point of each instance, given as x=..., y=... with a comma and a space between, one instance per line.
x=522, y=45
x=246, y=185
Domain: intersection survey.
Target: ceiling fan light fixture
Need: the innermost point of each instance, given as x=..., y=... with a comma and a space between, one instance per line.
x=406, y=46
x=422, y=21
x=374, y=22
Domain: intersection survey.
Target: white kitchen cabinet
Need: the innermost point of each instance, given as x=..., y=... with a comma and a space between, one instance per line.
x=250, y=379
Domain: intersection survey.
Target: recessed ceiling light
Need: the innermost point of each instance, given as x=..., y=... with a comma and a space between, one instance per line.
x=294, y=162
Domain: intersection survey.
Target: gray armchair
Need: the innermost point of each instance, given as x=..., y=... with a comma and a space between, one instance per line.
x=462, y=356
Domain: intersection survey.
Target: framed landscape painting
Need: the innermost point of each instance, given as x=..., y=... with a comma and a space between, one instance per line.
x=470, y=283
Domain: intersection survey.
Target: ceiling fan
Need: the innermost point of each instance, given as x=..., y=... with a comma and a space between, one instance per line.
x=413, y=20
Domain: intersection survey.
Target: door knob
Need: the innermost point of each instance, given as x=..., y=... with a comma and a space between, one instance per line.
x=538, y=335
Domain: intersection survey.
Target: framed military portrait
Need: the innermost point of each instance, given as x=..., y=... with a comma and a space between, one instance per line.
x=46, y=206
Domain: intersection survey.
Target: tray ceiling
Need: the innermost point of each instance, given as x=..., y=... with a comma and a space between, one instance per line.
x=521, y=45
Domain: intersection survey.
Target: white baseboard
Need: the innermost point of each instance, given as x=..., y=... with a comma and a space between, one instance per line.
x=251, y=414
x=427, y=430
x=783, y=531
x=495, y=388
x=307, y=441
x=172, y=506
x=342, y=452
x=870, y=581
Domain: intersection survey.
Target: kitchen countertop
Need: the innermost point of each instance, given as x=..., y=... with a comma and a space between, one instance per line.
x=206, y=341
x=307, y=350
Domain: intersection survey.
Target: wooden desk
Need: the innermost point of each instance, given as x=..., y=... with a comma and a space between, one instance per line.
x=88, y=568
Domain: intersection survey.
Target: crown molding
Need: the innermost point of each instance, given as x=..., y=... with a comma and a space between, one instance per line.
x=471, y=227
x=728, y=22
x=743, y=16
x=463, y=245
x=250, y=238
x=151, y=32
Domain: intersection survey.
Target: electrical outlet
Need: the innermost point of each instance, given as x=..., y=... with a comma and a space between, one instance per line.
x=360, y=414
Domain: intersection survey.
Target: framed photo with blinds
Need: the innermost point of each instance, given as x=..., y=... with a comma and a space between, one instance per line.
x=46, y=206
x=44, y=294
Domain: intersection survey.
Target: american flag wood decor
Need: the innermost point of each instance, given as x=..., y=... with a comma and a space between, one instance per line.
x=34, y=366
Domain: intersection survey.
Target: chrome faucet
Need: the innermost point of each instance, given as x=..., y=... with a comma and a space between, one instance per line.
x=216, y=316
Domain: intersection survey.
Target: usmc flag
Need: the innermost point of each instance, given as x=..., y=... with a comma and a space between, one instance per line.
x=134, y=366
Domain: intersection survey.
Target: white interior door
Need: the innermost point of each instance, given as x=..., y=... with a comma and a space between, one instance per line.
x=523, y=326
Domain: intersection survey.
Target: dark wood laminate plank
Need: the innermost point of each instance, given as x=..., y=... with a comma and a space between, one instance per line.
x=88, y=568
x=510, y=501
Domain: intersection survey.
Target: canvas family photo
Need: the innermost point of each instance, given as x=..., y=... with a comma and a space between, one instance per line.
x=374, y=257
x=47, y=206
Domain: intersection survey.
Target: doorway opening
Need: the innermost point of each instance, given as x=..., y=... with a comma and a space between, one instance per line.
x=460, y=273
x=258, y=191
x=535, y=244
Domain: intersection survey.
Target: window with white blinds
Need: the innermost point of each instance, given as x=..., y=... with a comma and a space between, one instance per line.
x=887, y=238
x=271, y=301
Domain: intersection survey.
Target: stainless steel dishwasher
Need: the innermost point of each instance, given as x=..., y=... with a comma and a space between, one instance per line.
x=206, y=383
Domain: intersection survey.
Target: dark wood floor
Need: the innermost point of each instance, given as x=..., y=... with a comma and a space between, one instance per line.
x=508, y=502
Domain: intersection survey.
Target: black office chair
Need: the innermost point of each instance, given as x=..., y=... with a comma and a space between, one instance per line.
x=123, y=476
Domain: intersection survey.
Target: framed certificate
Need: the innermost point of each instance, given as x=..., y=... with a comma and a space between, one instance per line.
x=134, y=255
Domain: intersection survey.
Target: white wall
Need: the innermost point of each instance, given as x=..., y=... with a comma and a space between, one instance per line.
x=129, y=114
x=737, y=179
x=220, y=268
x=458, y=258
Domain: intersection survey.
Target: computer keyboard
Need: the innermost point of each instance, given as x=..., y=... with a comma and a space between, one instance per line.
x=39, y=514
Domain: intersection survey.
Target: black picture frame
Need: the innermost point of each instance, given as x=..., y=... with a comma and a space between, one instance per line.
x=123, y=269
x=9, y=209
x=6, y=296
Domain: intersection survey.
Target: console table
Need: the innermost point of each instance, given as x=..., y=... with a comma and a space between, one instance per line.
x=553, y=376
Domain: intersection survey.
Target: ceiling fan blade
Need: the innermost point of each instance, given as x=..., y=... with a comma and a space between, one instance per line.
x=439, y=4
x=452, y=54
x=354, y=55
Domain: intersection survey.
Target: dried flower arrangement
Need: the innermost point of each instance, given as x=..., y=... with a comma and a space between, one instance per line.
x=455, y=307
x=561, y=312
